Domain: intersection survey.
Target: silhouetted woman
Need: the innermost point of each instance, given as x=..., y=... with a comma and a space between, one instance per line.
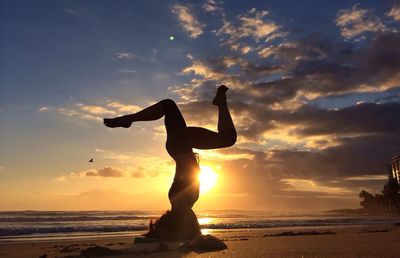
x=181, y=138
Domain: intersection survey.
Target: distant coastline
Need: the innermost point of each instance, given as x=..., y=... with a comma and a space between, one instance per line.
x=361, y=212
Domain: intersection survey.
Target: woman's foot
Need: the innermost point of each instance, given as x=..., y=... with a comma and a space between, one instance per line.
x=220, y=97
x=117, y=122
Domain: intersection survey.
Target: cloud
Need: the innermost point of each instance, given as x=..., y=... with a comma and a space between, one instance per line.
x=394, y=13
x=121, y=108
x=126, y=55
x=150, y=166
x=76, y=113
x=190, y=56
x=366, y=177
x=300, y=71
x=280, y=91
x=275, y=115
x=293, y=52
x=353, y=156
x=282, y=135
x=289, y=173
x=189, y=23
x=43, y=109
x=67, y=112
x=306, y=185
x=127, y=71
x=308, y=126
x=270, y=190
x=359, y=119
x=233, y=153
x=113, y=155
x=138, y=173
x=245, y=49
x=355, y=21
x=104, y=172
x=64, y=178
x=97, y=112
x=199, y=68
x=255, y=26
x=212, y=6
x=251, y=25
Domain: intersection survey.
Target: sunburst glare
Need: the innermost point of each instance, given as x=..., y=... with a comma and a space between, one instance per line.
x=208, y=179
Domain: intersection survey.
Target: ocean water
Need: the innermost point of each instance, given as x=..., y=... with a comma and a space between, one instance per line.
x=45, y=225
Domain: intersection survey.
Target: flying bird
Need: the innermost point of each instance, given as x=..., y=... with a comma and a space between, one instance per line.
x=91, y=160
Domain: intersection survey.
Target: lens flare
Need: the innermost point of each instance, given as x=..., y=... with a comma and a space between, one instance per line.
x=208, y=179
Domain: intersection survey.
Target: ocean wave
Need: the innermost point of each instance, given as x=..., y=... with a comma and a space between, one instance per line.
x=67, y=229
x=48, y=223
x=300, y=223
x=25, y=230
x=71, y=218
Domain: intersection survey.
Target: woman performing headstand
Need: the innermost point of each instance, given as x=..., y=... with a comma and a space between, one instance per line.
x=181, y=222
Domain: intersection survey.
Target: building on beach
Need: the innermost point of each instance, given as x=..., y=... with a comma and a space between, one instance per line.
x=395, y=167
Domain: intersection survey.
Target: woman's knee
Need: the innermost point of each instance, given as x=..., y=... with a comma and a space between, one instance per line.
x=169, y=104
x=172, y=111
x=229, y=137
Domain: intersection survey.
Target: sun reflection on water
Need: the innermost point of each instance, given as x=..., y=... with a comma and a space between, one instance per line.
x=205, y=231
x=205, y=221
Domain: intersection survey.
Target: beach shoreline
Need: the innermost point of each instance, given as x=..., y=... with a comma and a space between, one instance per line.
x=319, y=241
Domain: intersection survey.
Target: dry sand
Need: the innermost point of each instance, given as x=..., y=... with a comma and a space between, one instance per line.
x=350, y=241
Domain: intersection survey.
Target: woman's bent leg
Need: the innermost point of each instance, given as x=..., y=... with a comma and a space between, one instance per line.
x=201, y=138
x=224, y=118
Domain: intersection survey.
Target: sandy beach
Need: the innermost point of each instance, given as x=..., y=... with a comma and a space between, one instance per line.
x=342, y=241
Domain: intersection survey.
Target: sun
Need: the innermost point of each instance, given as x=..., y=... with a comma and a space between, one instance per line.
x=208, y=179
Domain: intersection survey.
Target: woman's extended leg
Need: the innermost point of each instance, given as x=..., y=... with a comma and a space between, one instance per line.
x=201, y=138
x=154, y=112
x=173, y=119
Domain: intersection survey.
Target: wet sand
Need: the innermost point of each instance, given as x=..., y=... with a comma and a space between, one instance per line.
x=343, y=241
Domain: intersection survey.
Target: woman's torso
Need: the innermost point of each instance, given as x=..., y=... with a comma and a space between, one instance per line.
x=187, y=167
